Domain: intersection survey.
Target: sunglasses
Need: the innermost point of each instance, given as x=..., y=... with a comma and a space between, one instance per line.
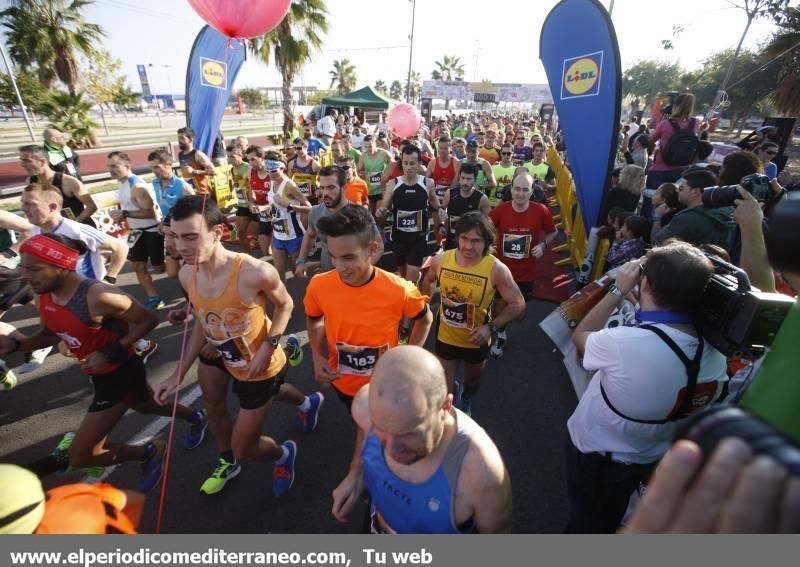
x=298, y=148
x=505, y=153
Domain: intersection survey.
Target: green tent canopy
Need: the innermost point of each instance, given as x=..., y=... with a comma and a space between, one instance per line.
x=362, y=98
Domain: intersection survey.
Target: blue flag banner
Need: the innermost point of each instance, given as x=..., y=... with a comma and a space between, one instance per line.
x=579, y=51
x=214, y=62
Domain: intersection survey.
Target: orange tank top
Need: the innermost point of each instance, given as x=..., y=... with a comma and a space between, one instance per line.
x=236, y=329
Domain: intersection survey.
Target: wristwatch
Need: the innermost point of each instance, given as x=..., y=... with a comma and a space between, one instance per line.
x=493, y=328
x=614, y=290
x=274, y=341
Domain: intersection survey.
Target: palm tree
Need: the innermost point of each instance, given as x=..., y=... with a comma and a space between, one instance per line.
x=449, y=69
x=416, y=86
x=48, y=34
x=343, y=75
x=71, y=113
x=290, y=45
x=396, y=90
x=380, y=86
x=785, y=44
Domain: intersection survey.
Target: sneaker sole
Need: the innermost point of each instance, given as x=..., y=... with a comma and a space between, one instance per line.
x=231, y=476
x=316, y=415
x=200, y=441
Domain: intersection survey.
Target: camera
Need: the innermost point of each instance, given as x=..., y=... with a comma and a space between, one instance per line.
x=735, y=317
x=724, y=196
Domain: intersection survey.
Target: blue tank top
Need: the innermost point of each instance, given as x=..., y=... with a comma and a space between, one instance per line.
x=424, y=508
x=166, y=198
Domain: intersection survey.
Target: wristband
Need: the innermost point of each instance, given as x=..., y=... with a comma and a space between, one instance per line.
x=299, y=262
x=114, y=352
x=615, y=291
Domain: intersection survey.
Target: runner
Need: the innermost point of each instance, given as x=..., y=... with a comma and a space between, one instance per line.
x=347, y=146
x=443, y=170
x=488, y=148
x=410, y=197
x=287, y=205
x=469, y=278
x=522, y=153
x=459, y=148
x=139, y=208
x=541, y=171
x=520, y=224
x=356, y=190
x=371, y=167
x=229, y=293
x=303, y=171
x=168, y=187
x=78, y=204
x=461, y=200
x=261, y=194
x=357, y=336
x=332, y=181
x=99, y=324
x=195, y=165
x=421, y=451
x=503, y=173
x=485, y=182
x=313, y=145
x=246, y=221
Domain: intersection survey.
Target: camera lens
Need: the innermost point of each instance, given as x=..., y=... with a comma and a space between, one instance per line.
x=724, y=196
x=711, y=426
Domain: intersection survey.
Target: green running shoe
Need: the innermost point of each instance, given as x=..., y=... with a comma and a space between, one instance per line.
x=224, y=472
x=61, y=455
x=294, y=351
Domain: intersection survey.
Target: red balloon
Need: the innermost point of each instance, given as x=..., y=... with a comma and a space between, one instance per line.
x=242, y=18
x=404, y=120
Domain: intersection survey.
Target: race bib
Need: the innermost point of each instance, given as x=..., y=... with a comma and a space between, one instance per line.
x=235, y=352
x=240, y=195
x=409, y=221
x=264, y=216
x=441, y=191
x=304, y=189
x=517, y=246
x=358, y=360
x=458, y=315
x=133, y=237
x=375, y=178
x=280, y=226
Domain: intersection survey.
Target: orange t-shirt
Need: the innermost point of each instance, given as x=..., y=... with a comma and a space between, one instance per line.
x=357, y=191
x=85, y=509
x=361, y=322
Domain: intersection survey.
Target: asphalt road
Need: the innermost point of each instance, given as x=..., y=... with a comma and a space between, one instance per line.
x=524, y=403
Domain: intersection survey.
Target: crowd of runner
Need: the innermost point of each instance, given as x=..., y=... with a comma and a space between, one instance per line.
x=438, y=234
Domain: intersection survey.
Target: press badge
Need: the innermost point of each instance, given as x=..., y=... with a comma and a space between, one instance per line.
x=517, y=246
x=358, y=360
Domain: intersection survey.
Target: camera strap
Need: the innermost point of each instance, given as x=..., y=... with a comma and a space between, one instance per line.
x=692, y=373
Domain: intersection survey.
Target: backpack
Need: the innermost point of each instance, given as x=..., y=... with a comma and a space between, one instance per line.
x=682, y=145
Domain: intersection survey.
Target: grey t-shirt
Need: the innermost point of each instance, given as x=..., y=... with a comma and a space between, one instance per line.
x=317, y=212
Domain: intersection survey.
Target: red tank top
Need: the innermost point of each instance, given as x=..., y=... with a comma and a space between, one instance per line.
x=73, y=324
x=260, y=187
x=443, y=177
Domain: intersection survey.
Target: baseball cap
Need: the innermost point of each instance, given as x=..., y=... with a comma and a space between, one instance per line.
x=21, y=500
x=472, y=144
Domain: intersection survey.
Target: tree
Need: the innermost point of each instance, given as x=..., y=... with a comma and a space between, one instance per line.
x=416, y=86
x=785, y=46
x=648, y=79
x=253, y=98
x=32, y=91
x=71, y=113
x=380, y=86
x=315, y=98
x=396, y=90
x=343, y=76
x=102, y=81
x=126, y=97
x=50, y=34
x=290, y=46
x=448, y=69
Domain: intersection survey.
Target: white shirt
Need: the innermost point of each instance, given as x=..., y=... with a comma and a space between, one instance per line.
x=326, y=126
x=641, y=377
x=357, y=141
x=127, y=203
x=91, y=264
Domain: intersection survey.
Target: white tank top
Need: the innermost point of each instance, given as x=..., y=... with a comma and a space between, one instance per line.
x=128, y=204
x=285, y=224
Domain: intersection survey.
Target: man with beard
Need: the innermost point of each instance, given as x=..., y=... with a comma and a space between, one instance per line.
x=485, y=181
x=313, y=145
x=460, y=200
x=428, y=467
x=195, y=165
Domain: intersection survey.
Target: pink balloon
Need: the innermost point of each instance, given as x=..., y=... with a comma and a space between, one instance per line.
x=242, y=18
x=403, y=119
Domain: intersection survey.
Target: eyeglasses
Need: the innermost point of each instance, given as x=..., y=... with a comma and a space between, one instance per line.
x=505, y=153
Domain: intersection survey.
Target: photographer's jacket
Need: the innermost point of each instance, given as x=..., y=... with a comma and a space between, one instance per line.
x=699, y=225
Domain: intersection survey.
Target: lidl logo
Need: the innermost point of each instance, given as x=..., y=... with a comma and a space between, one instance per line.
x=582, y=76
x=213, y=73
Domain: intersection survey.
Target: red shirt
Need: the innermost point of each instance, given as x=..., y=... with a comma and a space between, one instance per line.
x=260, y=187
x=517, y=234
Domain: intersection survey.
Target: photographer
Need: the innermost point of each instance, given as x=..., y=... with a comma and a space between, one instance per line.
x=642, y=388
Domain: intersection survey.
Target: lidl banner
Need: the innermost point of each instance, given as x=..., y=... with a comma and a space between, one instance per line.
x=579, y=51
x=213, y=65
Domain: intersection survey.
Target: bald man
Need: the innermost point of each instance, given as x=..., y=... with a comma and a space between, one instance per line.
x=428, y=467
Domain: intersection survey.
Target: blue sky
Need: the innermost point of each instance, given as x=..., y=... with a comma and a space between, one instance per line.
x=498, y=44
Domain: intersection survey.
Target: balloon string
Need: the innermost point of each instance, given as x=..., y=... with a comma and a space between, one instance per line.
x=178, y=380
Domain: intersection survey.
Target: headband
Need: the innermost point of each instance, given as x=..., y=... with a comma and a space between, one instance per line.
x=272, y=165
x=51, y=252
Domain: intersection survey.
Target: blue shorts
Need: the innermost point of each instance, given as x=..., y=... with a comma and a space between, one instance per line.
x=289, y=246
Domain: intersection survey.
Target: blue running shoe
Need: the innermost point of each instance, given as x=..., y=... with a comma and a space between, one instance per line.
x=311, y=416
x=153, y=466
x=294, y=351
x=153, y=302
x=197, y=430
x=283, y=475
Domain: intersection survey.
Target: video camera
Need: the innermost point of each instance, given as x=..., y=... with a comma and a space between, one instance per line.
x=725, y=195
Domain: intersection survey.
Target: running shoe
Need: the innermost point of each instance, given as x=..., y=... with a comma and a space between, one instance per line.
x=294, y=351
x=35, y=360
x=402, y=336
x=145, y=349
x=466, y=405
x=61, y=456
x=224, y=472
x=153, y=466
x=497, y=345
x=197, y=429
x=311, y=417
x=7, y=378
x=153, y=302
x=283, y=475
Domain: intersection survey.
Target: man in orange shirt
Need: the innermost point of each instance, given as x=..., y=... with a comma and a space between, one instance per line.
x=356, y=189
x=356, y=309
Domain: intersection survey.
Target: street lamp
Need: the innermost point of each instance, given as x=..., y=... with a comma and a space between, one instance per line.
x=169, y=81
x=411, y=49
x=19, y=96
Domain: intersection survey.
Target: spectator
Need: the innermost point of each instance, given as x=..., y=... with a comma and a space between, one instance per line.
x=738, y=165
x=667, y=205
x=641, y=392
x=60, y=157
x=697, y=224
x=326, y=127
x=629, y=191
x=704, y=149
x=630, y=242
x=765, y=153
x=638, y=152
